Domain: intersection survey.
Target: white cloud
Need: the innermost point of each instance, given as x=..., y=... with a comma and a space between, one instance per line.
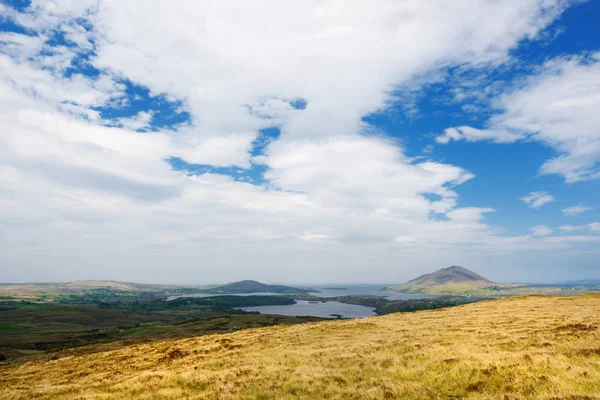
x=569, y=228
x=30, y=78
x=428, y=149
x=218, y=150
x=141, y=121
x=537, y=199
x=468, y=214
x=473, y=135
x=540, y=230
x=593, y=227
x=313, y=236
x=575, y=210
x=82, y=199
x=557, y=106
x=405, y=239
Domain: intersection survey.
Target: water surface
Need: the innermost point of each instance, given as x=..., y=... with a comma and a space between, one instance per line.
x=318, y=309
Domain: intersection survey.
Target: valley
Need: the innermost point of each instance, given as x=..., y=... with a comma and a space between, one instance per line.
x=38, y=321
x=534, y=347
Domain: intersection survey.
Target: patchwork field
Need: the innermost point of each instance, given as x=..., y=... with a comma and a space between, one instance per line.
x=535, y=347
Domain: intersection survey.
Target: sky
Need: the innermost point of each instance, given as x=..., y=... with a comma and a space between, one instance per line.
x=311, y=141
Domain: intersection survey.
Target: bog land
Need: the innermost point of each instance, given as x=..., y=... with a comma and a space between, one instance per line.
x=532, y=347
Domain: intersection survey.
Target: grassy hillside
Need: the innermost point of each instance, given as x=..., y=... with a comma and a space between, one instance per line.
x=34, y=328
x=535, y=347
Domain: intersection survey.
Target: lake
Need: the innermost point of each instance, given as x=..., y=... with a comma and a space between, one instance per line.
x=327, y=291
x=324, y=310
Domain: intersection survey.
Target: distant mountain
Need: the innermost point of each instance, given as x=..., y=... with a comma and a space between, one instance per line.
x=253, y=287
x=77, y=286
x=445, y=280
x=582, y=282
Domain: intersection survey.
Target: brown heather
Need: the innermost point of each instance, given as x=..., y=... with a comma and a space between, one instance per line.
x=535, y=347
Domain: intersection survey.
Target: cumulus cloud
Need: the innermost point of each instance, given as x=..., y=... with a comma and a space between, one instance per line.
x=141, y=121
x=537, y=199
x=575, y=210
x=540, y=230
x=473, y=135
x=593, y=227
x=556, y=106
x=85, y=196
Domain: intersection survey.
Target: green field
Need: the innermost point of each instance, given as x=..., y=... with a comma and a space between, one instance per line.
x=37, y=323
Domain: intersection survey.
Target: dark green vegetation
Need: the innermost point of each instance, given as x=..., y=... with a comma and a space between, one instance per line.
x=384, y=306
x=424, y=304
x=252, y=287
x=37, y=322
x=225, y=301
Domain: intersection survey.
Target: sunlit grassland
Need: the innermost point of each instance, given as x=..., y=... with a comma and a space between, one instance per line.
x=535, y=347
x=505, y=290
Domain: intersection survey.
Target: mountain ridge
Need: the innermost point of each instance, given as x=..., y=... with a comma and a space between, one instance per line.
x=79, y=285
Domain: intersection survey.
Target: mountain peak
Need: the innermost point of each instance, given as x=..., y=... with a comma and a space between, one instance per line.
x=454, y=267
x=445, y=280
x=247, y=282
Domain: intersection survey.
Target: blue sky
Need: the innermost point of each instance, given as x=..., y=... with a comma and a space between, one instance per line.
x=312, y=142
x=505, y=172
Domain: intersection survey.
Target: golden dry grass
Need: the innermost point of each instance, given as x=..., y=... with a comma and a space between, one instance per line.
x=535, y=347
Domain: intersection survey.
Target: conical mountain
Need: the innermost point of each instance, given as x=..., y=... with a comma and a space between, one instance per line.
x=446, y=280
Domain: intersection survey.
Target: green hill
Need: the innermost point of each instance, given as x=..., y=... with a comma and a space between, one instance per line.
x=31, y=288
x=446, y=280
x=249, y=286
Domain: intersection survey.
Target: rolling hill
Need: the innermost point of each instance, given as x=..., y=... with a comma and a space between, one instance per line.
x=77, y=286
x=249, y=286
x=526, y=348
x=445, y=280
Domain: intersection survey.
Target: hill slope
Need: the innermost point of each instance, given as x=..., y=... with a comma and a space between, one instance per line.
x=528, y=348
x=253, y=287
x=445, y=280
x=77, y=286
